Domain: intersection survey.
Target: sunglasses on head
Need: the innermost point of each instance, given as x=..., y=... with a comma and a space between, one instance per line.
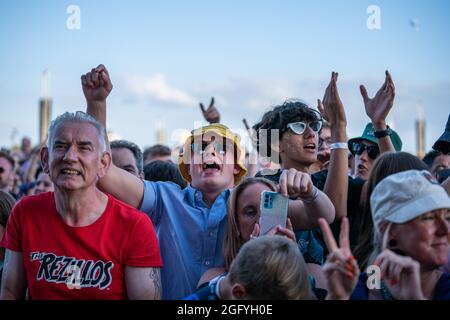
x=219, y=146
x=300, y=126
x=372, y=151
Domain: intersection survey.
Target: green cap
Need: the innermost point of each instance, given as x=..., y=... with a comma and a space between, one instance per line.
x=368, y=135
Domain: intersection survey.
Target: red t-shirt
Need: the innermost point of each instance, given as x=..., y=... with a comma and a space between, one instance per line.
x=64, y=262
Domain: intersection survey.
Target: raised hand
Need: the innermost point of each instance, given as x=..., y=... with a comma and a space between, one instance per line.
x=341, y=269
x=211, y=114
x=296, y=184
x=401, y=275
x=331, y=106
x=378, y=107
x=96, y=84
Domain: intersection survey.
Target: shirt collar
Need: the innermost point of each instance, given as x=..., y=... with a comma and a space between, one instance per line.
x=195, y=197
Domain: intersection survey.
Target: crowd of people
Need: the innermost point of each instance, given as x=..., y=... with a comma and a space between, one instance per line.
x=85, y=218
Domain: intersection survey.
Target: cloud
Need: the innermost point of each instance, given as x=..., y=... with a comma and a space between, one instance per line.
x=248, y=97
x=251, y=94
x=157, y=88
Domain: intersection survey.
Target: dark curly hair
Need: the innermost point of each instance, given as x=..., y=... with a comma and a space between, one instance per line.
x=277, y=119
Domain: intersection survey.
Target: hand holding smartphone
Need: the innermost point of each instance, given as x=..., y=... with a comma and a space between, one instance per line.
x=273, y=209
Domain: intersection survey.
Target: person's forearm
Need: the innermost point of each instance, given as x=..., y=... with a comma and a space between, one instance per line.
x=321, y=207
x=385, y=143
x=6, y=294
x=336, y=184
x=305, y=216
x=121, y=184
x=97, y=109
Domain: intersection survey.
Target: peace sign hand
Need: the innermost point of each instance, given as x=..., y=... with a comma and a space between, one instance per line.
x=211, y=114
x=341, y=269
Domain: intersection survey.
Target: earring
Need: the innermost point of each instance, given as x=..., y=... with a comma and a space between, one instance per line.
x=392, y=243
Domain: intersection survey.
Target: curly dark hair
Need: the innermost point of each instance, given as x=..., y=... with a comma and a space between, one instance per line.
x=277, y=119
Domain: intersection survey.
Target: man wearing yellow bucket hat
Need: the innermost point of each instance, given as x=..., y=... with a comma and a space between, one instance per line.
x=207, y=152
x=189, y=222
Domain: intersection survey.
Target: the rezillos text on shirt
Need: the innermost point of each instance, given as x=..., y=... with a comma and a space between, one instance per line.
x=75, y=273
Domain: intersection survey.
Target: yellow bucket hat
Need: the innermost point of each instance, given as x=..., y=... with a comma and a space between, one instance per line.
x=222, y=130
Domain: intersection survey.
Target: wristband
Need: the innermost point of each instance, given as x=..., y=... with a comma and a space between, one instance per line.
x=311, y=198
x=383, y=133
x=339, y=145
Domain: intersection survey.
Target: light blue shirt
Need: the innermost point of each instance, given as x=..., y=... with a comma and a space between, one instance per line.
x=190, y=234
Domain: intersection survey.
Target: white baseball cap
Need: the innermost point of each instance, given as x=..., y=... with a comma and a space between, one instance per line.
x=404, y=196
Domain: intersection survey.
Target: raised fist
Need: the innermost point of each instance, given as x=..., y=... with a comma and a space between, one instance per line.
x=96, y=84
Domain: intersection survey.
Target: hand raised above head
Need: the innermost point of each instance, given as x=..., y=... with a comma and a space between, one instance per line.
x=331, y=107
x=211, y=114
x=96, y=84
x=378, y=107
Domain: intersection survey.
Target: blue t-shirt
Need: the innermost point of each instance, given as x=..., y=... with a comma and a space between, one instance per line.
x=441, y=290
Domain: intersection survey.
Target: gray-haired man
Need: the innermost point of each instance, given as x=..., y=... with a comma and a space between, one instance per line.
x=78, y=242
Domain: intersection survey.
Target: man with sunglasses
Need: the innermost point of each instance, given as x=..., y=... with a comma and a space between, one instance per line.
x=298, y=149
x=289, y=135
x=324, y=152
x=365, y=149
x=190, y=222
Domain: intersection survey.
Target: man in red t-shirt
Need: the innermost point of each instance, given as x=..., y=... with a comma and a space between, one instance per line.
x=78, y=242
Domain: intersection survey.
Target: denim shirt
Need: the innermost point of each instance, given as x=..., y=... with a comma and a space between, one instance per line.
x=190, y=234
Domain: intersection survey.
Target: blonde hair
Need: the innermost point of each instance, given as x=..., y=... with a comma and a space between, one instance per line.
x=232, y=240
x=271, y=267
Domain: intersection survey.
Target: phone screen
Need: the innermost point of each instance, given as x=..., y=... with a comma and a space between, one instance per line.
x=273, y=210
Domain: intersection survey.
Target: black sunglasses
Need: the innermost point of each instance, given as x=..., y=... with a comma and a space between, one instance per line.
x=2, y=170
x=372, y=151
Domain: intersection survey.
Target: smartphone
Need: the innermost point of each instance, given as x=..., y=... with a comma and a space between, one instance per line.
x=273, y=209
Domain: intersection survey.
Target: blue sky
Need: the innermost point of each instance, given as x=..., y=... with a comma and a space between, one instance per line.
x=166, y=56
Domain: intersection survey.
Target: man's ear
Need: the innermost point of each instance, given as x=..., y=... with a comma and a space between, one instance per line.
x=44, y=160
x=237, y=169
x=238, y=291
x=105, y=163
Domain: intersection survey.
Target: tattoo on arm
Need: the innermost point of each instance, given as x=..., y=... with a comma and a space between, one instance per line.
x=155, y=276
